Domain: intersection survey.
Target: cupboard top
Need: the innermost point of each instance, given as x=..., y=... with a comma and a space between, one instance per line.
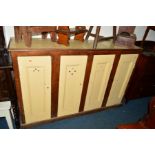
x=47, y=44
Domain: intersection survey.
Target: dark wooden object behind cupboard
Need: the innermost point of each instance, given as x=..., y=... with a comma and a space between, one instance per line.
x=5, y=70
x=146, y=33
x=142, y=82
x=2, y=39
x=7, y=87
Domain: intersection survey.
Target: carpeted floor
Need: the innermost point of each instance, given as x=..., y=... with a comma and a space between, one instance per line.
x=132, y=111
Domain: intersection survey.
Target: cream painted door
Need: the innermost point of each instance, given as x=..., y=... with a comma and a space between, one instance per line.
x=35, y=78
x=101, y=69
x=72, y=71
x=121, y=79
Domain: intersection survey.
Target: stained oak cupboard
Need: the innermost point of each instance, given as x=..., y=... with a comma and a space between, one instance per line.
x=54, y=81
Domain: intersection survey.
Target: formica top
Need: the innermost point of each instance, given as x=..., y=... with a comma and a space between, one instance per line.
x=47, y=44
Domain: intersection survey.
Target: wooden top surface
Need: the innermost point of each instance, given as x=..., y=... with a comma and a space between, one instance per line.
x=47, y=44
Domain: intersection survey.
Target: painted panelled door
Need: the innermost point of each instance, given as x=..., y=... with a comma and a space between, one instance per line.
x=101, y=69
x=72, y=72
x=121, y=79
x=35, y=79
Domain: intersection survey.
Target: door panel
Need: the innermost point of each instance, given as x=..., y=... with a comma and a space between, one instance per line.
x=101, y=69
x=35, y=78
x=72, y=71
x=121, y=79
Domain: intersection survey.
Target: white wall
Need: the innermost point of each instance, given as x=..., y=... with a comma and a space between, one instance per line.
x=105, y=31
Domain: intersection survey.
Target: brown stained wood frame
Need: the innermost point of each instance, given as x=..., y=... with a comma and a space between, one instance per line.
x=55, y=85
x=56, y=52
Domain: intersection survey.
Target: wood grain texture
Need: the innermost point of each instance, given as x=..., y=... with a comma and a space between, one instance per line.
x=62, y=37
x=80, y=36
x=55, y=85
